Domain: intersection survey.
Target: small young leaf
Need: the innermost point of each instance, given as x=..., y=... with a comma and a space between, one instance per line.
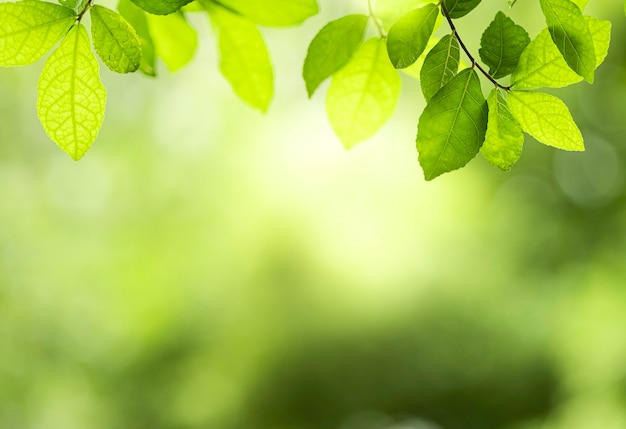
x=452, y=127
x=137, y=18
x=71, y=98
x=541, y=65
x=460, y=8
x=501, y=45
x=115, y=40
x=440, y=66
x=504, y=138
x=174, y=39
x=161, y=7
x=274, y=13
x=571, y=35
x=29, y=29
x=245, y=62
x=408, y=37
x=363, y=94
x=546, y=118
x=332, y=48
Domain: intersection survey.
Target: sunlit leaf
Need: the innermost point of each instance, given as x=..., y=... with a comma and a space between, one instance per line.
x=408, y=37
x=274, y=13
x=29, y=29
x=546, y=118
x=501, y=45
x=71, y=98
x=77, y=5
x=363, y=95
x=452, y=127
x=331, y=48
x=440, y=66
x=504, y=138
x=161, y=7
x=174, y=39
x=115, y=41
x=570, y=33
x=542, y=65
x=244, y=61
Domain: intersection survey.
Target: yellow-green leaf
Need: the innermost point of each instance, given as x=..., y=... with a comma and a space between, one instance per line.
x=571, y=35
x=363, y=95
x=116, y=42
x=244, y=61
x=71, y=98
x=541, y=65
x=174, y=39
x=546, y=118
x=161, y=7
x=504, y=138
x=136, y=17
x=29, y=29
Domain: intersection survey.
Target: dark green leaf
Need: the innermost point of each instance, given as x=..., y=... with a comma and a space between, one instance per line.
x=459, y=8
x=440, y=66
x=332, y=48
x=502, y=44
x=408, y=37
x=571, y=35
x=452, y=127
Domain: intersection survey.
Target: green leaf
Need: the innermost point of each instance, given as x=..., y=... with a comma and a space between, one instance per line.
x=408, y=37
x=29, y=29
x=571, y=35
x=541, y=65
x=504, y=138
x=161, y=7
x=137, y=18
x=452, y=127
x=175, y=41
x=77, y=5
x=71, y=97
x=332, y=48
x=460, y=8
x=440, y=66
x=115, y=41
x=580, y=3
x=390, y=11
x=274, y=13
x=546, y=118
x=245, y=62
x=363, y=95
x=501, y=45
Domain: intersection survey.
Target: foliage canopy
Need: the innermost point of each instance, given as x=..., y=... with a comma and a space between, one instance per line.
x=457, y=123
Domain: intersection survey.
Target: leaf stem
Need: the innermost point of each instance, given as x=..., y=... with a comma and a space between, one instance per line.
x=475, y=63
x=379, y=27
x=84, y=11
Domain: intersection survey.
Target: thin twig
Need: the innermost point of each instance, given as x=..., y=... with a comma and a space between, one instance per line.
x=475, y=63
x=379, y=27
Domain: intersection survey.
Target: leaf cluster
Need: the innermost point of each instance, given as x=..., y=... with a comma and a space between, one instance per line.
x=458, y=122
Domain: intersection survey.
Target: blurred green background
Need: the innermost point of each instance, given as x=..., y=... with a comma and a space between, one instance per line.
x=205, y=266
